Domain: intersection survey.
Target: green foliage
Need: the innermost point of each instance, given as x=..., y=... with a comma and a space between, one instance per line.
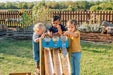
x=30, y=5
x=9, y=5
x=97, y=2
x=102, y=6
x=26, y=20
x=95, y=8
x=40, y=13
x=71, y=8
x=17, y=5
x=67, y=5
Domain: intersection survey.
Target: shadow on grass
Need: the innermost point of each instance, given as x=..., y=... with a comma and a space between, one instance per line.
x=95, y=51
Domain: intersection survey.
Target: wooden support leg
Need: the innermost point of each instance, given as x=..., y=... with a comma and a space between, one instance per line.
x=42, y=66
x=57, y=62
x=66, y=64
x=48, y=62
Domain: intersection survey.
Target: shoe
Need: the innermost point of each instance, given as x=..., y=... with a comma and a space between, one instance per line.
x=37, y=71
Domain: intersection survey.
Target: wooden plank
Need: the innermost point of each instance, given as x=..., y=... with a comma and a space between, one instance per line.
x=66, y=64
x=65, y=18
x=112, y=17
x=57, y=62
x=48, y=62
x=81, y=17
x=42, y=66
x=20, y=74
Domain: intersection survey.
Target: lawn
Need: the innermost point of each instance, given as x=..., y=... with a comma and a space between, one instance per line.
x=17, y=56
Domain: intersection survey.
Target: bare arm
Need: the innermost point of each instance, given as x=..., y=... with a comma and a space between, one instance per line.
x=49, y=33
x=37, y=39
x=59, y=29
x=76, y=35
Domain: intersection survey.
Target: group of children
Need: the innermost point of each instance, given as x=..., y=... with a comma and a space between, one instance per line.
x=57, y=28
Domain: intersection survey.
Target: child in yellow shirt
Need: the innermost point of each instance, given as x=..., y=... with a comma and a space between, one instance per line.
x=75, y=50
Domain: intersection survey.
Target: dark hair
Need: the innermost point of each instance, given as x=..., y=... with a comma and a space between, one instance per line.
x=56, y=18
x=72, y=22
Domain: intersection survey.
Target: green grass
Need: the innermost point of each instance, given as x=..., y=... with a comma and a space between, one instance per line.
x=16, y=56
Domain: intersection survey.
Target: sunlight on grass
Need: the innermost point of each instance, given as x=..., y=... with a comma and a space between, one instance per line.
x=17, y=56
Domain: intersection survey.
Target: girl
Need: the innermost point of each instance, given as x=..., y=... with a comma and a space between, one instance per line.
x=75, y=51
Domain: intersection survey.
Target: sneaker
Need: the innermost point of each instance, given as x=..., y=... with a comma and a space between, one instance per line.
x=37, y=71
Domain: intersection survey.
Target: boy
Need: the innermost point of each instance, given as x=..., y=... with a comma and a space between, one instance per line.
x=56, y=28
x=39, y=30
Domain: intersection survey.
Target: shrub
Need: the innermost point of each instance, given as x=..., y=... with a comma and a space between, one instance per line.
x=90, y=27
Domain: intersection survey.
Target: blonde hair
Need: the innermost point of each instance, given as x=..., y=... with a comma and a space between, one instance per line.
x=39, y=26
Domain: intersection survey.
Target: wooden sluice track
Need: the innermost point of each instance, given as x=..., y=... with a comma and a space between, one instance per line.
x=53, y=61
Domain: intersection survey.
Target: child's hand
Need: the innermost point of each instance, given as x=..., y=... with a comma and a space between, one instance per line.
x=56, y=34
x=43, y=35
x=37, y=40
x=66, y=33
x=50, y=33
x=58, y=26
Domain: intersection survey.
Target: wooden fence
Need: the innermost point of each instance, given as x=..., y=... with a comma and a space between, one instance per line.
x=11, y=18
x=89, y=16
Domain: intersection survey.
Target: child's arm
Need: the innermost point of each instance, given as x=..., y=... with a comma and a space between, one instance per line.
x=76, y=35
x=36, y=39
x=49, y=33
x=59, y=29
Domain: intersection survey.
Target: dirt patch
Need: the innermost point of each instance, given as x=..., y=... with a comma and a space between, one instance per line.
x=96, y=37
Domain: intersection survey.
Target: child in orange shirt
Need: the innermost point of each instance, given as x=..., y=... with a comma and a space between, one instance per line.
x=74, y=35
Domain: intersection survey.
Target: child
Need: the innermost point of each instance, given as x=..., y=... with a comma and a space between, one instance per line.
x=74, y=35
x=56, y=28
x=39, y=29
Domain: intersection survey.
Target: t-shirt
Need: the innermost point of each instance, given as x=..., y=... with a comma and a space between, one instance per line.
x=35, y=46
x=54, y=30
x=75, y=43
x=35, y=36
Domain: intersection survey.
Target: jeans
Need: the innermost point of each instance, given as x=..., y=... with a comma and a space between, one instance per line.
x=36, y=51
x=75, y=63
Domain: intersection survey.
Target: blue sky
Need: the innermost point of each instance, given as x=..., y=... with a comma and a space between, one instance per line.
x=40, y=0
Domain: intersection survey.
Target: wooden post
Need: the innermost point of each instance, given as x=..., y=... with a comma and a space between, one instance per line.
x=41, y=59
x=57, y=62
x=112, y=17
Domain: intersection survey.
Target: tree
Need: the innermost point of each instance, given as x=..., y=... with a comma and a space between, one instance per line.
x=8, y=5
x=68, y=3
x=2, y=5
x=95, y=8
x=71, y=8
x=30, y=5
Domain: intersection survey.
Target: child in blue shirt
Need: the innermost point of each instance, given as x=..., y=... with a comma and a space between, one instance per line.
x=39, y=30
x=56, y=27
